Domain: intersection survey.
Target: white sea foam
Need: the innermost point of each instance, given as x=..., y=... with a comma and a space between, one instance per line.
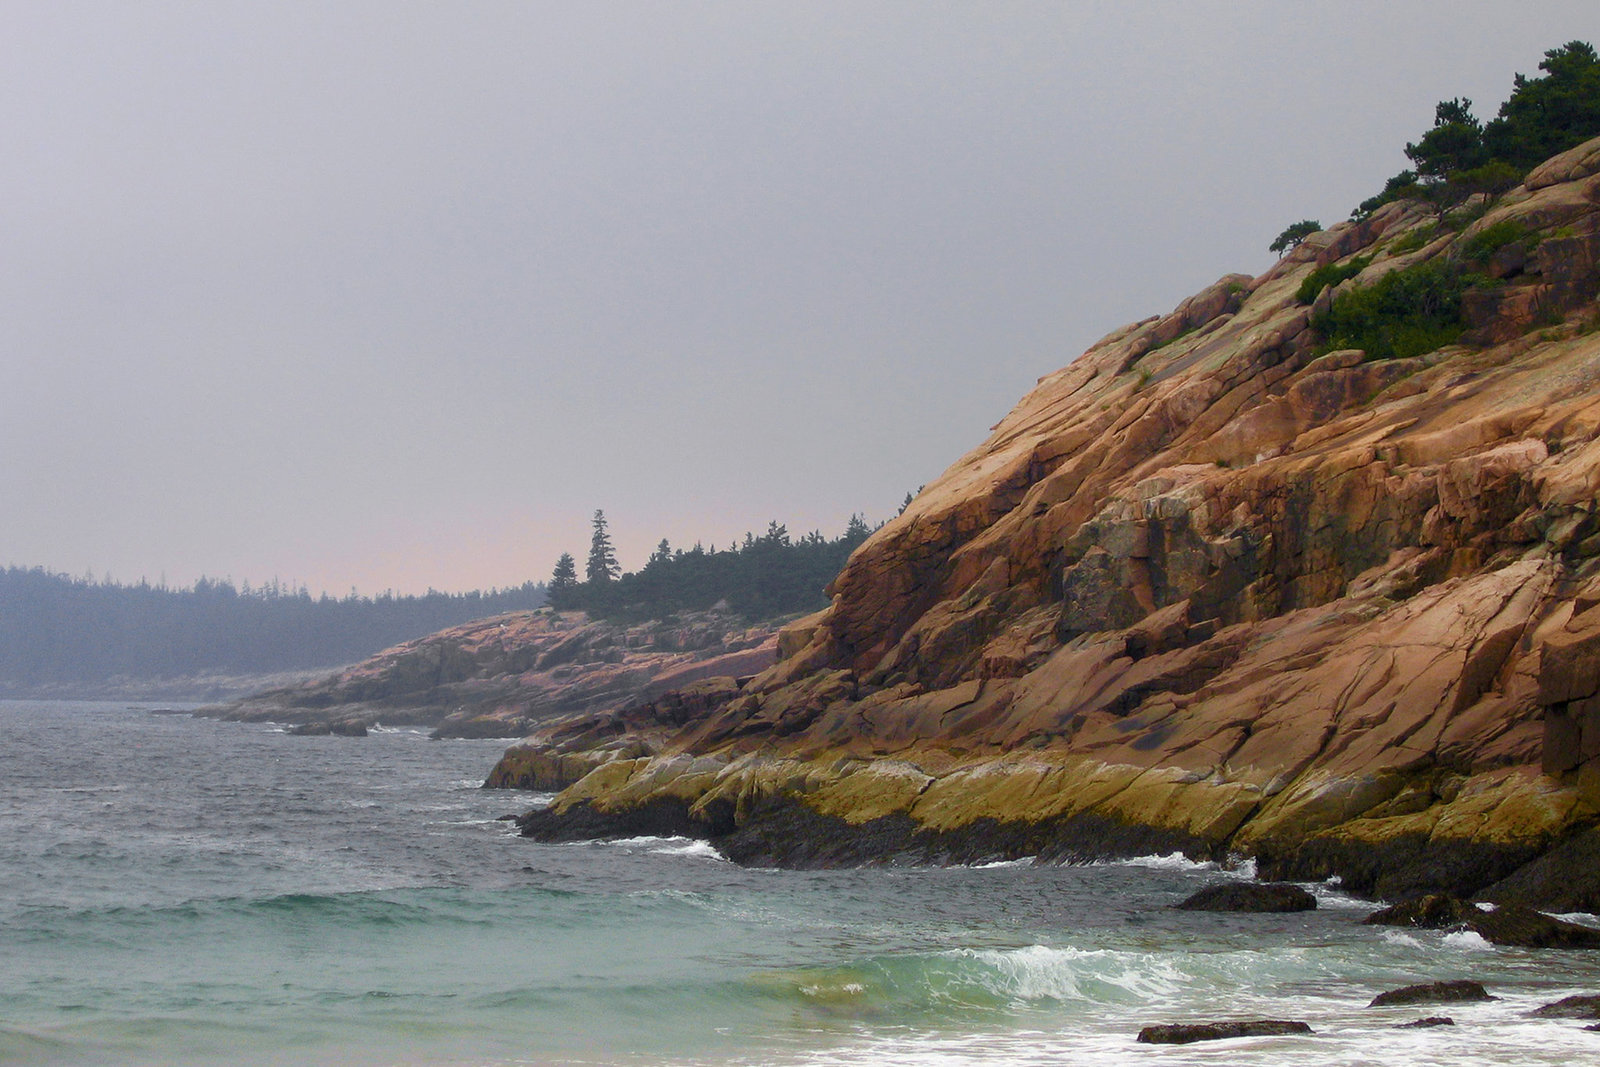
x=1397, y=937
x=821, y=991
x=671, y=846
x=1243, y=869
x=1329, y=897
x=689, y=847
x=1172, y=861
x=1467, y=940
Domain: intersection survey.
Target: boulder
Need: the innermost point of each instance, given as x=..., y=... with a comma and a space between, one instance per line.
x=1504, y=924
x=1572, y=165
x=1184, y=1033
x=1458, y=992
x=1582, y=1006
x=1250, y=896
x=1513, y=925
x=1431, y=911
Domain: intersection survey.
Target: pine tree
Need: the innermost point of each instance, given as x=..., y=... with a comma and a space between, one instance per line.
x=602, y=566
x=563, y=580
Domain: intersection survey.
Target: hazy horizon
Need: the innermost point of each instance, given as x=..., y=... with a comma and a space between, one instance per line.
x=351, y=295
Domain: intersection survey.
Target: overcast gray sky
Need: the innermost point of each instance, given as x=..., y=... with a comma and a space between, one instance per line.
x=395, y=295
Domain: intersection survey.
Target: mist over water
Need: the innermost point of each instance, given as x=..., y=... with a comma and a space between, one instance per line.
x=186, y=891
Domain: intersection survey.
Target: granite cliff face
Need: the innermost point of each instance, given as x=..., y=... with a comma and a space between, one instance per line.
x=1206, y=588
x=499, y=677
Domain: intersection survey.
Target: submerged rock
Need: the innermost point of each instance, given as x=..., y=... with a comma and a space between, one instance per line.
x=1250, y=896
x=1432, y=993
x=1430, y=1021
x=1185, y=1033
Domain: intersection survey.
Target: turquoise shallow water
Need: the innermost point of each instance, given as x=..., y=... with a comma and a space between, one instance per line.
x=182, y=891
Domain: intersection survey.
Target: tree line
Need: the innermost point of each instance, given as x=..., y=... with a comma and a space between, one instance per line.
x=764, y=577
x=55, y=629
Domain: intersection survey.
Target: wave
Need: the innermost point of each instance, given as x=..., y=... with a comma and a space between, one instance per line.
x=1177, y=861
x=668, y=846
x=981, y=980
x=1469, y=940
x=993, y=865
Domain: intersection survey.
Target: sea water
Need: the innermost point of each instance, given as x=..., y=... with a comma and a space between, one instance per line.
x=186, y=891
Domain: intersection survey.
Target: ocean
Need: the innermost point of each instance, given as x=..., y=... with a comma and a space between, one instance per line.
x=185, y=891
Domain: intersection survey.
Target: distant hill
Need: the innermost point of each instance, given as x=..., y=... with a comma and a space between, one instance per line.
x=62, y=636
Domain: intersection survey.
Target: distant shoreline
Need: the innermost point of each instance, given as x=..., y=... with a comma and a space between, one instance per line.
x=196, y=689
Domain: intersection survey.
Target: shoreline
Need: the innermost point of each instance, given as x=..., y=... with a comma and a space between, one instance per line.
x=807, y=815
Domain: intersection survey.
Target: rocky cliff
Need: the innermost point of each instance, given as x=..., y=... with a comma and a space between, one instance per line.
x=1214, y=587
x=502, y=676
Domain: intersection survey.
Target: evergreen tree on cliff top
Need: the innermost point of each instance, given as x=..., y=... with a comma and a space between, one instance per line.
x=602, y=566
x=1548, y=115
x=1544, y=116
x=563, y=580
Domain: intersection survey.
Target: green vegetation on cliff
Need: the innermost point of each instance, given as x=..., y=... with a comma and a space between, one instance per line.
x=1461, y=156
x=1404, y=314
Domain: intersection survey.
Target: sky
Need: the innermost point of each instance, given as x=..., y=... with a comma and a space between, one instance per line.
x=394, y=296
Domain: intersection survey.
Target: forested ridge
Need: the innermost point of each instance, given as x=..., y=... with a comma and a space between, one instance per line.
x=57, y=631
x=762, y=578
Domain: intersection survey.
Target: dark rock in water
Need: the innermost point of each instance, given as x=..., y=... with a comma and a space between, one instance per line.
x=1184, y=1033
x=1250, y=896
x=1432, y=993
x=1505, y=924
x=1430, y=1021
x=324, y=729
x=1511, y=924
x=1578, y=1007
x=1434, y=911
